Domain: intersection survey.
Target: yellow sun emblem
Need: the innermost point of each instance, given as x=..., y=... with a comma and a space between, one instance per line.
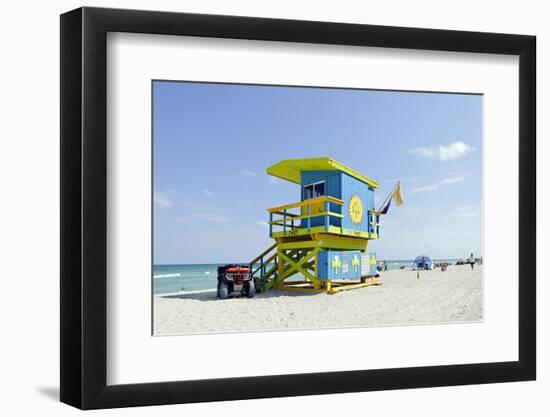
x=356, y=209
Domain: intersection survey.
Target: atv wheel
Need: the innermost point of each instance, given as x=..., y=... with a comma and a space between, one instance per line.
x=250, y=289
x=223, y=291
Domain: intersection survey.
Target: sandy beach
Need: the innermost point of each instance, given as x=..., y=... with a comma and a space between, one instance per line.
x=455, y=295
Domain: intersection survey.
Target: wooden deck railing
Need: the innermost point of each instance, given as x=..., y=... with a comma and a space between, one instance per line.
x=288, y=218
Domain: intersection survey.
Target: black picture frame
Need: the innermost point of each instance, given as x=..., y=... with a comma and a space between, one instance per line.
x=84, y=207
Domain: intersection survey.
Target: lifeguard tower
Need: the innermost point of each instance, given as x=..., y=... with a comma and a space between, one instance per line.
x=324, y=236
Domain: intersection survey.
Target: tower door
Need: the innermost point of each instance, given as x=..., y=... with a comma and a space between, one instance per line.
x=314, y=190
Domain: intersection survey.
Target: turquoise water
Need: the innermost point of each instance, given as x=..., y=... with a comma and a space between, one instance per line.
x=176, y=278
x=199, y=277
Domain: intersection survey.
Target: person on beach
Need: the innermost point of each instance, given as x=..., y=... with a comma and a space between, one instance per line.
x=472, y=261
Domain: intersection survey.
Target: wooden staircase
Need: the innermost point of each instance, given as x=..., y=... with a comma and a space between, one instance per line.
x=264, y=268
x=273, y=266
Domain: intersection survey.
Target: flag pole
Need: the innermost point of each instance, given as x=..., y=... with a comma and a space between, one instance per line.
x=389, y=196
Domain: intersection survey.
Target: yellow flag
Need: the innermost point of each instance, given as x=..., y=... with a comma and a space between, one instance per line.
x=397, y=195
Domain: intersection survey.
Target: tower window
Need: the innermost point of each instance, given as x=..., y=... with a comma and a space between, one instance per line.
x=314, y=190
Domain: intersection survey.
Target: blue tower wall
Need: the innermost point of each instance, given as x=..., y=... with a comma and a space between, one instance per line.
x=352, y=186
x=339, y=265
x=368, y=264
x=343, y=186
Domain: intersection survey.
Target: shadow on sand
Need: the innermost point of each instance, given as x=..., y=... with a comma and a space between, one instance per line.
x=211, y=295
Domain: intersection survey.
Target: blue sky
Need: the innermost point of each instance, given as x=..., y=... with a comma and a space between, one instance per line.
x=213, y=142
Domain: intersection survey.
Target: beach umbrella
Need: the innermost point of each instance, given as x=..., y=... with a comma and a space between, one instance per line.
x=423, y=262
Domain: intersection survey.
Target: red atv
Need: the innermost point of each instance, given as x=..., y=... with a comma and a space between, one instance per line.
x=235, y=278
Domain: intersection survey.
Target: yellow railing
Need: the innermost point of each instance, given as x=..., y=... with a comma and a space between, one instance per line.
x=263, y=254
x=310, y=202
x=321, y=204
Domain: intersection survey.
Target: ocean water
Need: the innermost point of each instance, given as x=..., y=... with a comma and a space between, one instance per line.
x=397, y=264
x=177, y=278
x=169, y=279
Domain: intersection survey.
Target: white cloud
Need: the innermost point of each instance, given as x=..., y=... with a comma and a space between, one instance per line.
x=162, y=199
x=452, y=151
x=431, y=187
x=274, y=180
x=248, y=173
x=452, y=180
x=208, y=193
x=446, y=181
x=425, y=152
x=263, y=224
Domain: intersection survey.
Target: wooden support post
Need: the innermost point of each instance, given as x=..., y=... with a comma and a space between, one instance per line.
x=308, y=218
x=280, y=267
x=327, y=206
x=316, y=265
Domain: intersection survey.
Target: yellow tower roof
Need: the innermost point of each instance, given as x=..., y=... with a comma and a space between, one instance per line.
x=290, y=169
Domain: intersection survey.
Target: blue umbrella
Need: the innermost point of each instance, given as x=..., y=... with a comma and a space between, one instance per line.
x=423, y=262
